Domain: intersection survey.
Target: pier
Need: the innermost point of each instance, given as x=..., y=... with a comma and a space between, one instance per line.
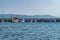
x=29, y=19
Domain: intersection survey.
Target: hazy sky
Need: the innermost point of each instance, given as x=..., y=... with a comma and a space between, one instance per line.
x=30, y=7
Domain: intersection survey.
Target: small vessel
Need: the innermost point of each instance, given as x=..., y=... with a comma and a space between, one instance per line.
x=15, y=19
x=23, y=20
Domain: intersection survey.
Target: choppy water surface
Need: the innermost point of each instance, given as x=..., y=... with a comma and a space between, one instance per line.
x=30, y=31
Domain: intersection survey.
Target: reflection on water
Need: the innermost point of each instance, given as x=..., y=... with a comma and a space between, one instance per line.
x=30, y=31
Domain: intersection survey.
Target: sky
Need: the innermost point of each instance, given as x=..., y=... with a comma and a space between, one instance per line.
x=30, y=7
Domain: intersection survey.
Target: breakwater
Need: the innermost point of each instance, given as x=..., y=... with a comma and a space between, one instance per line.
x=29, y=19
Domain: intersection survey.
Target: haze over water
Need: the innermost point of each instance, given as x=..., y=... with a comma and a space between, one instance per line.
x=30, y=7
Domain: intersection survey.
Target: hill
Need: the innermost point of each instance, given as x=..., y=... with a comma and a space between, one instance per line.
x=25, y=16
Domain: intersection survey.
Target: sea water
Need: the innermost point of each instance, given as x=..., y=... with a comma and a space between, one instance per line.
x=30, y=31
